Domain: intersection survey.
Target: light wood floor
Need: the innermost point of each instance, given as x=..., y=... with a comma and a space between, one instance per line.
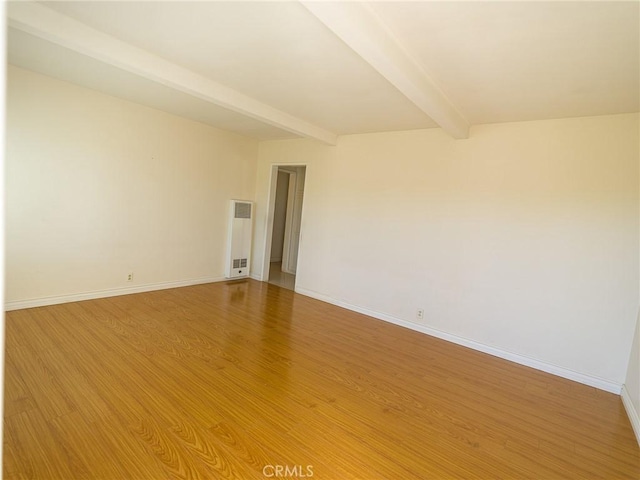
x=280, y=278
x=223, y=380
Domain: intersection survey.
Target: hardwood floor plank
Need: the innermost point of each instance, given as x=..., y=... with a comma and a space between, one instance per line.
x=118, y=444
x=224, y=380
x=71, y=431
x=49, y=394
x=212, y=453
x=38, y=451
x=17, y=397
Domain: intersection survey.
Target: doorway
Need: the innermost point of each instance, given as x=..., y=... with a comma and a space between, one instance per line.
x=283, y=237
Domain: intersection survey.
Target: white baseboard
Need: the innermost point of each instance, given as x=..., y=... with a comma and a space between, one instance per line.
x=112, y=292
x=632, y=413
x=592, y=381
x=256, y=276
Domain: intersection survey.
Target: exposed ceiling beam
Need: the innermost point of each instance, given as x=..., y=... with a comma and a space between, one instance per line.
x=50, y=25
x=357, y=25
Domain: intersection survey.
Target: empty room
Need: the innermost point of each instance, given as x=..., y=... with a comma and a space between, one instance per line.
x=332, y=240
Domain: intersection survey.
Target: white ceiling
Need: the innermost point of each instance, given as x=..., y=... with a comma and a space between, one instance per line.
x=286, y=69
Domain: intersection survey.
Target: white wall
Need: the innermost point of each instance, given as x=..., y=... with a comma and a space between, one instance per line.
x=523, y=238
x=98, y=187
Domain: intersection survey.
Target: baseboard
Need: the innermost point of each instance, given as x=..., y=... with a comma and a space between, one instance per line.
x=592, y=381
x=632, y=413
x=112, y=292
x=255, y=276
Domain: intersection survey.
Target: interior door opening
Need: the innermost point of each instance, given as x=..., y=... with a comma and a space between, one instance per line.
x=286, y=197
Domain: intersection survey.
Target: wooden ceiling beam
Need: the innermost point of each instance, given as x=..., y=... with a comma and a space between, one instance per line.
x=40, y=21
x=357, y=25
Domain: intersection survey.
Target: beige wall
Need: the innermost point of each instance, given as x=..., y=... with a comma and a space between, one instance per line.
x=98, y=187
x=523, y=237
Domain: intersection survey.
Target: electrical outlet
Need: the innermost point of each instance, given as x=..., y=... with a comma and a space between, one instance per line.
x=130, y=277
x=420, y=314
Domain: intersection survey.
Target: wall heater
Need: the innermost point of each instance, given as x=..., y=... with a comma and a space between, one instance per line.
x=239, y=239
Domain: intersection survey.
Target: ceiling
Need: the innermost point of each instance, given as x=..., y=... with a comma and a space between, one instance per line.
x=303, y=69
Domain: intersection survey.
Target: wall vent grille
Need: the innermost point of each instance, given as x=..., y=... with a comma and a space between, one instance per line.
x=242, y=210
x=239, y=239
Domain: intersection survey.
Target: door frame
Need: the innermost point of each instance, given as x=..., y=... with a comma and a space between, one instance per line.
x=271, y=206
x=288, y=223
